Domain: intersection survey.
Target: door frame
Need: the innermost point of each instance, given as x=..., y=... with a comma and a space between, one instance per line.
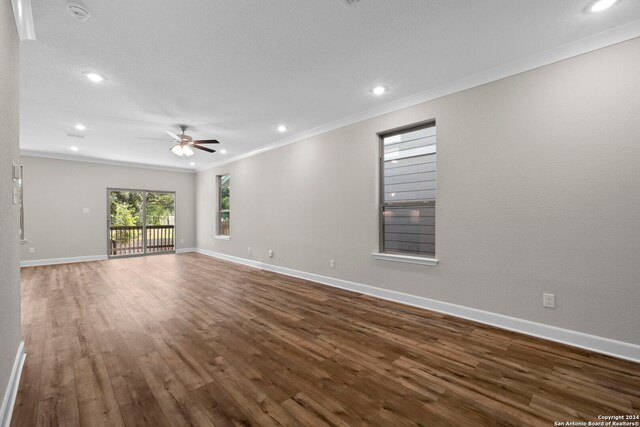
x=144, y=222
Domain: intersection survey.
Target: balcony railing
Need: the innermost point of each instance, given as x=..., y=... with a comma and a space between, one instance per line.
x=130, y=240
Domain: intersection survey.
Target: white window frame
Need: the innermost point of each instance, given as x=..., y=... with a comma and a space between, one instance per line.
x=392, y=256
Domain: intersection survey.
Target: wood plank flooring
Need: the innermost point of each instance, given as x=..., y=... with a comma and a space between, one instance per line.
x=187, y=340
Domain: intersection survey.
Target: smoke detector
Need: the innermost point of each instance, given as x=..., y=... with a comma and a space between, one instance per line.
x=78, y=12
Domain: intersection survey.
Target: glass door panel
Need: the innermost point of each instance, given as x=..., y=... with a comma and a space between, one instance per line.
x=126, y=212
x=160, y=222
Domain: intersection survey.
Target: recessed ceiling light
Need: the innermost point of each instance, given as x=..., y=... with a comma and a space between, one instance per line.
x=379, y=90
x=192, y=163
x=73, y=148
x=80, y=126
x=223, y=151
x=601, y=5
x=282, y=128
x=94, y=77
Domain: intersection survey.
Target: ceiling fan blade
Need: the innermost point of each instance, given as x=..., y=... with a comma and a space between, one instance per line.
x=207, y=141
x=172, y=135
x=208, y=150
x=152, y=139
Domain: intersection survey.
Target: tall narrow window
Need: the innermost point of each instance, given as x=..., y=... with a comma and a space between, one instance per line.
x=21, y=200
x=408, y=191
x=224, y=207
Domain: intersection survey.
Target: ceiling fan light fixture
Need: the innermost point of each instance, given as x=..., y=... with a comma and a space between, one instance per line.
x=187, y=151
x=177, y=150
x=185, y=144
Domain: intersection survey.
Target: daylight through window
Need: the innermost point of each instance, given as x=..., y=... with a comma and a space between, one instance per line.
x=224, y=208
x=408, y=199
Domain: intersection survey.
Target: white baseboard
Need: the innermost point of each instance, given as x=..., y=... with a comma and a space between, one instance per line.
x=52, y=261
x=185, y=250
x=237, y=260
x=69, y=260
x=619, y=349
x=10, y=394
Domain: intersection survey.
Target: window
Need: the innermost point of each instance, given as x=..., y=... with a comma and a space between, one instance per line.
x=408, y=191
x=224, y=212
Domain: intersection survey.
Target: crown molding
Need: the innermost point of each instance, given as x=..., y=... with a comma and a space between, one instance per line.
x=57, y=156
x=579, y=47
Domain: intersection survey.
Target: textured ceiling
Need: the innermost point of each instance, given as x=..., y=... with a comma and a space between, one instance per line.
x=235, y=69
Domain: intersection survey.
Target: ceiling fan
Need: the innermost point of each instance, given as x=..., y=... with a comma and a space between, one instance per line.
x=184, y=143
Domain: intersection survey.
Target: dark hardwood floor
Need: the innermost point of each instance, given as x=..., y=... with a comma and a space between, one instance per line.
x=175, y=340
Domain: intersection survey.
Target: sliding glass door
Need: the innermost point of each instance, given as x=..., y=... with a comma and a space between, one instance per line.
x=126, y=212
x=140, y=222
x=160, y=220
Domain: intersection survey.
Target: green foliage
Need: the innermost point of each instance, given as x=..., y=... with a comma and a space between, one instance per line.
x=224, y=198
x=131, y=199
x=225, y=189
x=124, y=216
x=160, y=208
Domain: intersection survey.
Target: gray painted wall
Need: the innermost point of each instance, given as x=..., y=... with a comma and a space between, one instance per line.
x=56, y=191
x=538, y=191
x=9, y=222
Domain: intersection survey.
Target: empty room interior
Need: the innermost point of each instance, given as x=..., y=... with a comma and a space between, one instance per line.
x=320, y=213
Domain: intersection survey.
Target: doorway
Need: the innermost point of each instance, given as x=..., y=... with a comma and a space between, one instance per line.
x=140, y=222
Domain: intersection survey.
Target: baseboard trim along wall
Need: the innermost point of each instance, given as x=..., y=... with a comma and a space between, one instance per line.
x=185, y=250
x=52, y=261
x=619, y=349
x=70, y=260
x=10, y=394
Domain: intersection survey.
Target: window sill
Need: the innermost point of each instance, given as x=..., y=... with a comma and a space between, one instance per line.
x=222, y=237
x=405, y=258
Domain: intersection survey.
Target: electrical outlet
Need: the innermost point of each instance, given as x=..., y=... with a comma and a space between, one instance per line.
x=549, y=300
x=32, y=250
x=213, y=243
x=249, y=250
x=270, y=253
x=332, y=263
x=181, y=240
x=85, y=210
